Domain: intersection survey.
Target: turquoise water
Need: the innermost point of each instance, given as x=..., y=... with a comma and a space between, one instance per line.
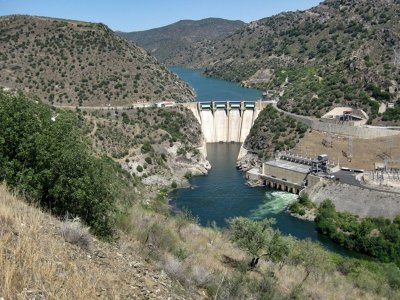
x=223, y=194
x=210, y=89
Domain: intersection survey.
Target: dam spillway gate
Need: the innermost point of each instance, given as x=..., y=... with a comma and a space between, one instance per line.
x=226, y=121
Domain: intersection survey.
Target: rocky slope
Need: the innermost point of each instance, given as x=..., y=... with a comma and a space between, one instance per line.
x=76, y=63
x=166, y=42
x=159, y=145
x=338, y=53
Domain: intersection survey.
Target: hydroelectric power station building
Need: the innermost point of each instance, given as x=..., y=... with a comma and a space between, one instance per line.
x=290, y=172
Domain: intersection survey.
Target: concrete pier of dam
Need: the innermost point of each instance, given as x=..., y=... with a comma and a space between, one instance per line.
x=226, y=122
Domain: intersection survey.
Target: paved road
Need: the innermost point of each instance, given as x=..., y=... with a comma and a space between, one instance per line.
x=349, y=177
x=105, y=107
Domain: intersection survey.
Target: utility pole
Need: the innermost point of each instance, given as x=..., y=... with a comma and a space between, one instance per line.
x=350, y=149
x=396, y=57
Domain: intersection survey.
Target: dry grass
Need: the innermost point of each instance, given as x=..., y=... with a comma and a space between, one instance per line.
x=74, y=232
x=365, y=151
x=33, y=262
x=209, y=258
x=44, y=258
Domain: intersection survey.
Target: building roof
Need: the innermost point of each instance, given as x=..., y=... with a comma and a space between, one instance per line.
x=289, y=166
x=339, y=111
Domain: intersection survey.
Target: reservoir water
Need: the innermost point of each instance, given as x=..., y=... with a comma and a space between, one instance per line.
x=210, y=89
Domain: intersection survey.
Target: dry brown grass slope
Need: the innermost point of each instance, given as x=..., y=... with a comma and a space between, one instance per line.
x=37, y=262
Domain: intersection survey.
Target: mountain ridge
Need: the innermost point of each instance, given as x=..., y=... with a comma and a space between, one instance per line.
x=164, y=42
x=337, y=53
x=68, y=62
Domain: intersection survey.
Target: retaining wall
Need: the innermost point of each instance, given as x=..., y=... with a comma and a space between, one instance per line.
x=356, y=200
x=354, y=131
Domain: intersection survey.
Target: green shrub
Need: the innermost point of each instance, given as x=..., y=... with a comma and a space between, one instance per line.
x=164, y=157
x=147, y=147
x=305, y=200
x=188, y=175
x=48, y=161
x=376, y=237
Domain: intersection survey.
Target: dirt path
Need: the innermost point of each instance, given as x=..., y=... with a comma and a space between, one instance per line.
x=93, y=133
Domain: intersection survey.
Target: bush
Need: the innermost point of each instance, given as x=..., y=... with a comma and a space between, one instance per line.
x=296, y=208
x=146, y=148
x=49, y=162
x=139, y=168
x=75, y=233
x=148, y=160
x=305, y=200
x=174, y=185
x=376, y=237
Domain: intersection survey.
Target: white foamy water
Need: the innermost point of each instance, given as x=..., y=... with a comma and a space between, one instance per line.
x=274, y=203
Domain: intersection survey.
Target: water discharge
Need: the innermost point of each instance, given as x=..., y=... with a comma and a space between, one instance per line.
x=275, y=202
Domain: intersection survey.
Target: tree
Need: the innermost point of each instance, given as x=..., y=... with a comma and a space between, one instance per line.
x=312, y=257
x=47, y=160
x=252, y=236
x=278, y=248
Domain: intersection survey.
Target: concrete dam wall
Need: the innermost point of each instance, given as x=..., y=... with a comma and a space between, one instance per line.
x=226, y=121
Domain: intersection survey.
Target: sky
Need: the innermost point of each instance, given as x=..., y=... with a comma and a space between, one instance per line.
x=136, y=15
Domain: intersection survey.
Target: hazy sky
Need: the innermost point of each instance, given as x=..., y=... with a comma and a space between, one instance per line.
x=136, y=15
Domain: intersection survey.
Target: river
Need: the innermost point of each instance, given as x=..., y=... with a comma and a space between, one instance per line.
x=210, y=89
x=223, y=193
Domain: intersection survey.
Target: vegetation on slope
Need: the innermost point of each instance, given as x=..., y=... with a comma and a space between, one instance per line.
x=44, y=157
x=338, y=53
x=375, y=237
x=166, y=42
x=49, y=163
x=302, y=206
x=45, y=258
x=77, y=63
x=148, y=142
x=273, y=131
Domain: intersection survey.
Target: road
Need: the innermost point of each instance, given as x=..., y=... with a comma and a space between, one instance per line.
x=349, y=177
x=105, y=107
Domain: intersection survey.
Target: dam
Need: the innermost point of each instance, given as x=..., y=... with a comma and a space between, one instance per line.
x=226, y=121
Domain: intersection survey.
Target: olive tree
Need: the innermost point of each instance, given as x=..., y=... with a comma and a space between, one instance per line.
x=252, y=236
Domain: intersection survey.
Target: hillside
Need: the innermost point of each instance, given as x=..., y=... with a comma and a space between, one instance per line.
x=338, y=53
x=151, y=252
x=273, y=131
x=165, y=42
x=68, y=62
x=43, y=257
x=158, y=145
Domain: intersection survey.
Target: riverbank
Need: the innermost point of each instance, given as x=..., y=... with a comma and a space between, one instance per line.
x=181, y=168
